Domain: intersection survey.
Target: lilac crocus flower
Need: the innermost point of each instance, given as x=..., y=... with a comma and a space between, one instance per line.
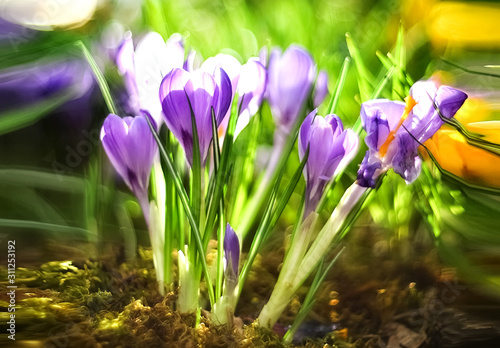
x=131, y=149
x=232, y=257
x=291, y=78
x=248, y=80
x=145, y=67
x=395, y=130
x=196, y=92
x=331, y=148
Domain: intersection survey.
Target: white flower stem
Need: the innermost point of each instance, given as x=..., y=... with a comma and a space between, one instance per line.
x=296, y=268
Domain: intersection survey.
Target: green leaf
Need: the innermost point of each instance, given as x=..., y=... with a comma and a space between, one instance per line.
x=339, y=86
x=196, y=189
x=181, y=192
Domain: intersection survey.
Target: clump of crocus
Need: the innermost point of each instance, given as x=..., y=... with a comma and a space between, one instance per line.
x=195, y=94
x=248, y=81
x=395, y=129
x=144, y=68
x=131, y=148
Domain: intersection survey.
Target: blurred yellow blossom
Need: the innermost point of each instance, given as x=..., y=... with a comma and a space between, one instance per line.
x=455, y=155
x=472, y=24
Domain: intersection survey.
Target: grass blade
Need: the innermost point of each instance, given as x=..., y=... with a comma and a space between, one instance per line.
x=101, y=81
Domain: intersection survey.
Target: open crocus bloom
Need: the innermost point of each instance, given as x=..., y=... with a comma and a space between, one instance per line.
x=196, y=93
x=331, y=148
x=395, y=130
x=144, y=69
x=131, y=149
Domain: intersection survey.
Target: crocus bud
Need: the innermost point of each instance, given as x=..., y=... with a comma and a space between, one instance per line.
x=331, y=148
x=395, y=130
x=291, y=77
x=131, y=149
x=232, y=257
x=196, y=93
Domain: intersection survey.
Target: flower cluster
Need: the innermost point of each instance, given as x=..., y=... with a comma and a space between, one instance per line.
x=194, y=104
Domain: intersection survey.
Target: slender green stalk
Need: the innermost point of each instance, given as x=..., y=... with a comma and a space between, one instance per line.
x=339, y=86
x=220, y=230
x=181, y=192
x=101, y=81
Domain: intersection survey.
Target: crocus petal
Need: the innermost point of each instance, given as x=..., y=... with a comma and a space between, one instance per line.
x=183, y=94
x=126, y=67
x=424, y=119
x=150, y=56
x=379, y=117
x=288, y=91
x=406, y=161
x=320, y=88
x=251, y=88
x=368, y=168
x=201, y=91
x=176, y=109
x=224, y=94
x=449, y=100
x=230, y=65
x=304, y=133
x=232, y=256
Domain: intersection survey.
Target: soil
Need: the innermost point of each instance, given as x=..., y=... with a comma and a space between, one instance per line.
x=379, y=294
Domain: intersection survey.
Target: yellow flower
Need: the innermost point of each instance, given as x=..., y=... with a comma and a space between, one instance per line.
x=452, y=152
x=464, y=24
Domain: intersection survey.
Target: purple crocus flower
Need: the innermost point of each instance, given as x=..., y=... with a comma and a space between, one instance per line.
x=145, y=67
x=131, y=148
x=395, y=130
x=196, y=92
x=232, y=256
x=248, y=80
x=331, y=148
x=291, y=78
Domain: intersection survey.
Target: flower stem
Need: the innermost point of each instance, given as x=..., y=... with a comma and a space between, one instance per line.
x=294, y=276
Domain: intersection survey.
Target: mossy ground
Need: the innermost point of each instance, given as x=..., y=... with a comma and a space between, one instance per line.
x=378, y=295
